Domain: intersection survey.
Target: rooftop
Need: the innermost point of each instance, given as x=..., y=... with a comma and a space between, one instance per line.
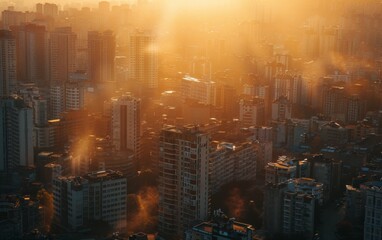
x=103, y=175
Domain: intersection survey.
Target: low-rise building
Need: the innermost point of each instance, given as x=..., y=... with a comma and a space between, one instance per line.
x=221, y=228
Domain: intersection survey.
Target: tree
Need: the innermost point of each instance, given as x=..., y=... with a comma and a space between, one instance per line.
x=46, y=201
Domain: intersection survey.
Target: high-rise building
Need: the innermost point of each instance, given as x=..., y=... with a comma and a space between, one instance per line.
x=373, y=212
x=143, y=60
x=293, y=86
x=16, y=129
x=183, y=179
x=231, y=162
x=334, y=104
x=326, y=171
x=95, y=196
x=281, y=109
x=263, y=136
x=226, y=100
x=32, y=51
x=39, y=9
x=299, y=203
x=101, y=55
x=50, y=9
x=7, y=62
x=333, y=133
x=273, y=207
x=74, y=96
x=62, y=54
x=252, y=111
x=107, y=197
x=40, y=111
x=277, y=172
x=56, y=101
x=198, y=90
x=69, y=205
x=126, y=130
x=12, y=18
x=355, y=108
x=289, y=207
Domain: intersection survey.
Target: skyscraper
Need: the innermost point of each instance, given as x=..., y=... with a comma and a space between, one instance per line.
x=32, y=54
x=7, y=62
x=183, y=179
x=16, y=129
x=126, y=130
x=74, y=96
x=62, y=54
x=101, y=54
x=143, y=60
x=11, y=18
x=56, y=101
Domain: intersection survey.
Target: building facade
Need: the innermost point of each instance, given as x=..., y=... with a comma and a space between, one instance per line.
x=77, y=201
x=126, y=124
x=183, y=179
x=101, y=55
x=7, y=62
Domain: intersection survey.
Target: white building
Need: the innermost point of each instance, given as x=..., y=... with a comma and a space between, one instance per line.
x=198, y=90
x=74, y=96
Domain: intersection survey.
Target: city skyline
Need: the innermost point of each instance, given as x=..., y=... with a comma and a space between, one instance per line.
x=178, y=119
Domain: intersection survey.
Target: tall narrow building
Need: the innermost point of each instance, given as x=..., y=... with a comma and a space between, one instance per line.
x=101, y=54
x=16, y=129
x=126, y=130
x=183, y=179
x=62, y=54
x=143, y=60
x=7, y=62
x=32, y=51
